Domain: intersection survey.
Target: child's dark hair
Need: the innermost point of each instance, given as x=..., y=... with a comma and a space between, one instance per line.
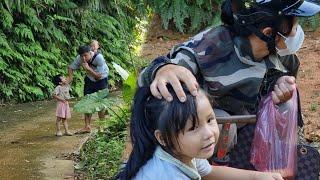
x=56, y=79
x=83, y=49
x=150, y=114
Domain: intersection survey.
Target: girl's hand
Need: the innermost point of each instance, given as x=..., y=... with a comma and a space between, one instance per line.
x=283, y=89
x=173, y=74
x=269, y=176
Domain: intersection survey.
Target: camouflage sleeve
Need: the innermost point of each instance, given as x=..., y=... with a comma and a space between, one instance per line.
x=292, y=63
x=181, y=57
x=147, y=74
x=185, y=54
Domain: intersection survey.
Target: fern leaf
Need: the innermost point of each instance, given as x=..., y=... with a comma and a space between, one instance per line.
x=6, y=18
x=3, y=41
x=63, y=19
x=58, y=34
x=23, y=31
x=32, y=18
x=3, y=65
x=33, y=90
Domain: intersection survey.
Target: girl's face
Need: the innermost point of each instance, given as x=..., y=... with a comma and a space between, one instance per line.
x=63, y=80
x=200, y=141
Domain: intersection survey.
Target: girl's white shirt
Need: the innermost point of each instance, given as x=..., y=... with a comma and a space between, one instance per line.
x=163, y=166
x=62, y=91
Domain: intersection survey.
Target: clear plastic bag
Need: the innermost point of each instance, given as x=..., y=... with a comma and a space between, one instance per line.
x=274, y=146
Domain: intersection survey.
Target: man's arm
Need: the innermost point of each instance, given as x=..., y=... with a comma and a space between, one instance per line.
x=285, y=84
x=90, y=71
x=183, y=58
x=73, y=66
x=292, y=63
x=147, y=74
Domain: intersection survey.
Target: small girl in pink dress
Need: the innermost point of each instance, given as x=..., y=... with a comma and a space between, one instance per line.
x=61, y=94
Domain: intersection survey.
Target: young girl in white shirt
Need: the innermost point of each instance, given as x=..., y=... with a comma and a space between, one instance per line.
x=62, y=95
x=172, y=140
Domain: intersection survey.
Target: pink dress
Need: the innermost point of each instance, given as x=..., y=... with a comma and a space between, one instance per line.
x=63, y=109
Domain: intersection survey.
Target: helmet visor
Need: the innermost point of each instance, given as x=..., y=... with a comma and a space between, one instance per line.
x=305, y=9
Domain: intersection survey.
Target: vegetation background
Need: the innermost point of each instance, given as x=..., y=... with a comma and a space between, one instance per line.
x=39, y=38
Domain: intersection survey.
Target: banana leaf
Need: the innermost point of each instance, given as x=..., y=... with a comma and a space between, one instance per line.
x=94, y=102
x=122, y=72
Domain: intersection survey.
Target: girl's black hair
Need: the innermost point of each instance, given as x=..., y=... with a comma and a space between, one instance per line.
x=150, y=114
x=282, y=24
x=56, y=79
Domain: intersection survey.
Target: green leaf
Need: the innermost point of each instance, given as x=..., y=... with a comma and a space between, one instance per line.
x=3, y=65
x=33, y=90
x=62, y=18
x=23, y=31
x=3, y=41
x=94, y=102
x=122, y=72
x=6, y=18
x=129, y=88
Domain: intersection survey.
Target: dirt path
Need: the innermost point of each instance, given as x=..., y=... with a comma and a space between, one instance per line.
x=29, y=148
x=309, y=84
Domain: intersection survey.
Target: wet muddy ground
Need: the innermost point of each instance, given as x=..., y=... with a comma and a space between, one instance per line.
x=29, y=148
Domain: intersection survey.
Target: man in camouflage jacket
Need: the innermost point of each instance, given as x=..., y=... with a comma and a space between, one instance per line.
x=239, y=61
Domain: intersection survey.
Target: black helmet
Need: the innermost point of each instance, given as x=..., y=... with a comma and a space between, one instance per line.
x=291, y=7
x=251, y=12
x=248, y=10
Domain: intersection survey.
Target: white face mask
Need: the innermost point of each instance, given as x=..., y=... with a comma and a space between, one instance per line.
x=293, y=43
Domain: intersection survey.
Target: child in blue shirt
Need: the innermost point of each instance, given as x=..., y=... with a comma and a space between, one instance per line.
x=172, y=140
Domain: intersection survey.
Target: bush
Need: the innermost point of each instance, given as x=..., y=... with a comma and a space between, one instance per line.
x=187, y=15
x=39, y=38
x=310, y=23
x=101, y=156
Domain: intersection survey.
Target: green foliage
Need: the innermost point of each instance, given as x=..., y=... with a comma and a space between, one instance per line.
x=6, y=18
x=187, y=15
x=310, y=23
x=22, y=31
x=192, y=16
x=314, y=106
x=129, y=88
x=39, y=38
x=101, y=156
x=94, y=102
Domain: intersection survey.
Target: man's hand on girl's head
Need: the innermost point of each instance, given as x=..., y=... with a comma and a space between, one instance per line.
x=174, y=75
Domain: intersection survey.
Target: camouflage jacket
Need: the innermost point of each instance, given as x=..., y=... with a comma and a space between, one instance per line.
x=225, y=68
